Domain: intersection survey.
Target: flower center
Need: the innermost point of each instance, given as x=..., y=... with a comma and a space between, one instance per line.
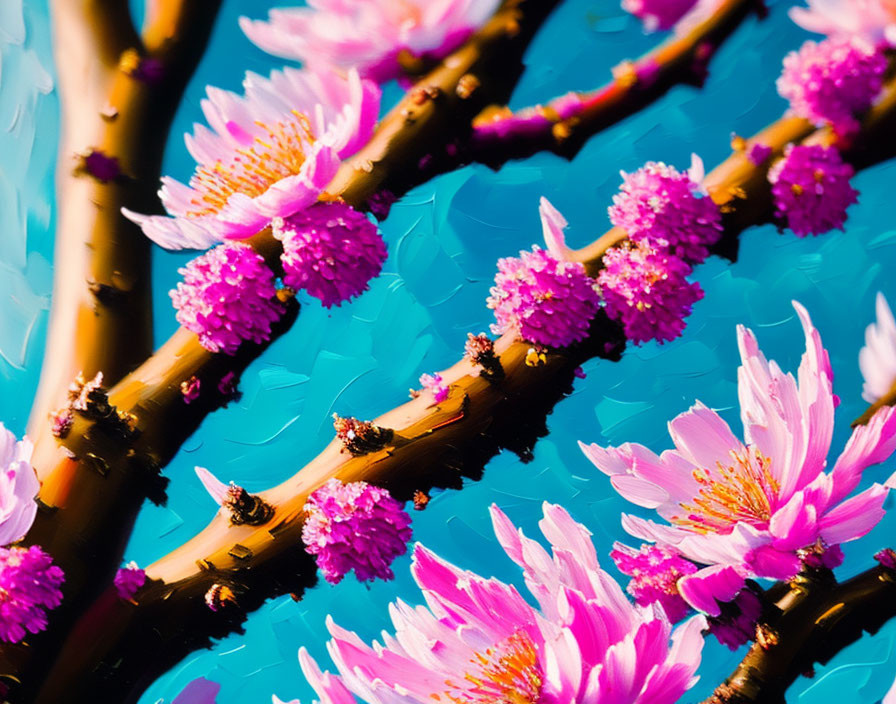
x=274, y=154
x=508, y=673
x=739, y=493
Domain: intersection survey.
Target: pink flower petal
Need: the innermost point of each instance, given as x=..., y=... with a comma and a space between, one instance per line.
x=705, y=588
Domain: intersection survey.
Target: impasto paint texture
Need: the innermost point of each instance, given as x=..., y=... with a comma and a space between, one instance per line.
x=443, y=240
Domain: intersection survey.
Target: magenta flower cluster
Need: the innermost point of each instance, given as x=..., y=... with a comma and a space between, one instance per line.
x=666, y=209
x=647, y=291
x=128, y=580
x=543, y=299
x=227, y=296
x=330, y=250
x=655, y=571
x=29, y=585
x=833, y=80
x=355, y=526
x=811, y=189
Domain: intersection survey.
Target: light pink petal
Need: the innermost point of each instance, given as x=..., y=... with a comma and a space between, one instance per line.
x=564, y=533
x=214, y=486
x=854, y=517
x=670, y=681
x=297, y=192
x=877, y=359
x=552, y=225
x=869, y=444
x=639, y=491
x=795, y=525
x=652, y=531
x=705, y=588
x=817, y=401
x=176, y=233
x=702, y=437
x=328, y=687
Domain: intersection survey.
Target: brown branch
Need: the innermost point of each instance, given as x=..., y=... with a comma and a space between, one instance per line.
x=118, y=95
x=815, y=621
x=565, y=124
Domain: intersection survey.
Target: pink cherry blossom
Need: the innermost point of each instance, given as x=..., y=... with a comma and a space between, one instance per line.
x=18, y=487
x=368, y=35
x=877, y=359
x=478, y=640
x=755, y=508
x=872, y=20
x=355, y=526
x=269, y=153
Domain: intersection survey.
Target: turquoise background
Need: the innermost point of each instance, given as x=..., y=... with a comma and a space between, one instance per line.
x=444, y=239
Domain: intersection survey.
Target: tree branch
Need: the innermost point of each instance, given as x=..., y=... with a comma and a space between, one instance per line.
x=817, y=619
x=565, y=124
x=118, y=98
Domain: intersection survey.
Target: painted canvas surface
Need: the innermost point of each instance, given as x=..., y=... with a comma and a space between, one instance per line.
x=560, y=225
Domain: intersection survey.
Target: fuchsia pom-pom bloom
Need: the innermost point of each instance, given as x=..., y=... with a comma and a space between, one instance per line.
x=355, y=526
x=128, y=580
x=543, y=299
x=330, y=250
x=667, y=210
x=833, y=80
x=29, y=584
x=811, y=189
x=655, y=571
x=648, y=291
x=658, y=14
x=227, y=296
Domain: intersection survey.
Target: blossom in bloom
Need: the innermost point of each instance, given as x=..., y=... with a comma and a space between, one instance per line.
x=434, y=384
x=655, y=571
x=355, y=526
x=871, y=20
x=541, y=296
x=658, y=14
x=668, y=210
x=877, y=359
x=128, y=580
x=833, y=80
x=478, y=640
x=369, y=35
x=330, y=250
x=811, y=190
x=268, y=154
x=29, y=585
x=18, y=487
x=227, y=295
x=752, y=508
x=648, y=291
